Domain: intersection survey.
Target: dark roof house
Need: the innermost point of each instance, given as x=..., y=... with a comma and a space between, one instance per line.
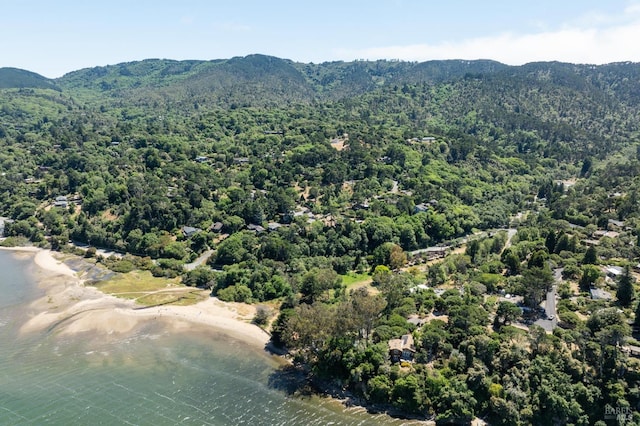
x=599, y=294
x=255, y=228
x=190, y=231
x=61, y=201
x=420, y=208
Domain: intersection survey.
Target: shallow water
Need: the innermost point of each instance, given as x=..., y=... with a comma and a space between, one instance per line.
x=149, y=377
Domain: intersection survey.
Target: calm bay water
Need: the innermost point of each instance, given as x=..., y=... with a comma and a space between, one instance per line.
x=151, y=377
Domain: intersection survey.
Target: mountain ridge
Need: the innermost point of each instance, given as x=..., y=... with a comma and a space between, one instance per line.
x=16, y=78
x=256, y=78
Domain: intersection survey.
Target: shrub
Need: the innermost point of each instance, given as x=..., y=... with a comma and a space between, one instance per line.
x=122, y=266
x=262, y=315
x=18, y=241
x=157, y=271
x=227, y=294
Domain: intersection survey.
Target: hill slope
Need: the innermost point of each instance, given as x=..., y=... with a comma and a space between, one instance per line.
x=266, y=80
x=261, y=79
x=14, y=78
x=315, y=170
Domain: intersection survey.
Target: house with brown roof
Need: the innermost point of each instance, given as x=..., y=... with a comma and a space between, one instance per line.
x=402, y=349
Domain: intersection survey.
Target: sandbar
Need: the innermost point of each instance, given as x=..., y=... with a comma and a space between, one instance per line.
x=69, y=307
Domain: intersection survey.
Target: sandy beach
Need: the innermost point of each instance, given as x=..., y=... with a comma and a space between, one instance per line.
x=70, y=307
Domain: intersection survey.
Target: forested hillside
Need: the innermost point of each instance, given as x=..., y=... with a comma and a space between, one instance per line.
x=17, y=78
x=302, y=177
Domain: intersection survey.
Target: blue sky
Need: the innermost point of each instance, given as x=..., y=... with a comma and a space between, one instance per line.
x=54, y=37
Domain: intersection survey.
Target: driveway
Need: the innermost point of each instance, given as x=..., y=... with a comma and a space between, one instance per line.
x=551, y=320
x=199, y=261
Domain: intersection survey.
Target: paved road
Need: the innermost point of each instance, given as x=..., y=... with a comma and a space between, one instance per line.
x=557, y=275
x=511, y=232
x=199, y=261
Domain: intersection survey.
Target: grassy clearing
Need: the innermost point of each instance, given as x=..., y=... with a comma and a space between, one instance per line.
x=132, y=296
x=148, y=290
x=136, y=282
x=353, y=278
x=181, y=298
x=191, y=298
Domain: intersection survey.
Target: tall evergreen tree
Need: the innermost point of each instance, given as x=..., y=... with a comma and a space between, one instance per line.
x=550, y=241
x=591, y=256
x=625, y=292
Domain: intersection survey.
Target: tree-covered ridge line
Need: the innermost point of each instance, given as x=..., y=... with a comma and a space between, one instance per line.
x=295, y=179
x=18, y=78
x=324, y=81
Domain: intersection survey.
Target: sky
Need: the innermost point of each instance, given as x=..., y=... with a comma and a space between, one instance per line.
x=53, y=37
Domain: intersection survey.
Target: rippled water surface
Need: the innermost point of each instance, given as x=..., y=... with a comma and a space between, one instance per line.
x=151, y=377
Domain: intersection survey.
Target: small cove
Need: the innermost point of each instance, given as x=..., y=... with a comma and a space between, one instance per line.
x=153, y=375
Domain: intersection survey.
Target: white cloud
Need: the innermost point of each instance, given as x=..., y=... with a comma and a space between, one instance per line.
x=604, y=39
x=632, y=9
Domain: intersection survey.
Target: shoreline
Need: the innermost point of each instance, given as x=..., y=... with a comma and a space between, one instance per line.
x=69, y=307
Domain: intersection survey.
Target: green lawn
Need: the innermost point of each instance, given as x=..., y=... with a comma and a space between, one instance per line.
x=353, y=279
x=148, y=290
x=135, y=281
x=173, y=298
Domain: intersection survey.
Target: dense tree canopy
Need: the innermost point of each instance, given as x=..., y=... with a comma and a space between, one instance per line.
x=298, y=178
